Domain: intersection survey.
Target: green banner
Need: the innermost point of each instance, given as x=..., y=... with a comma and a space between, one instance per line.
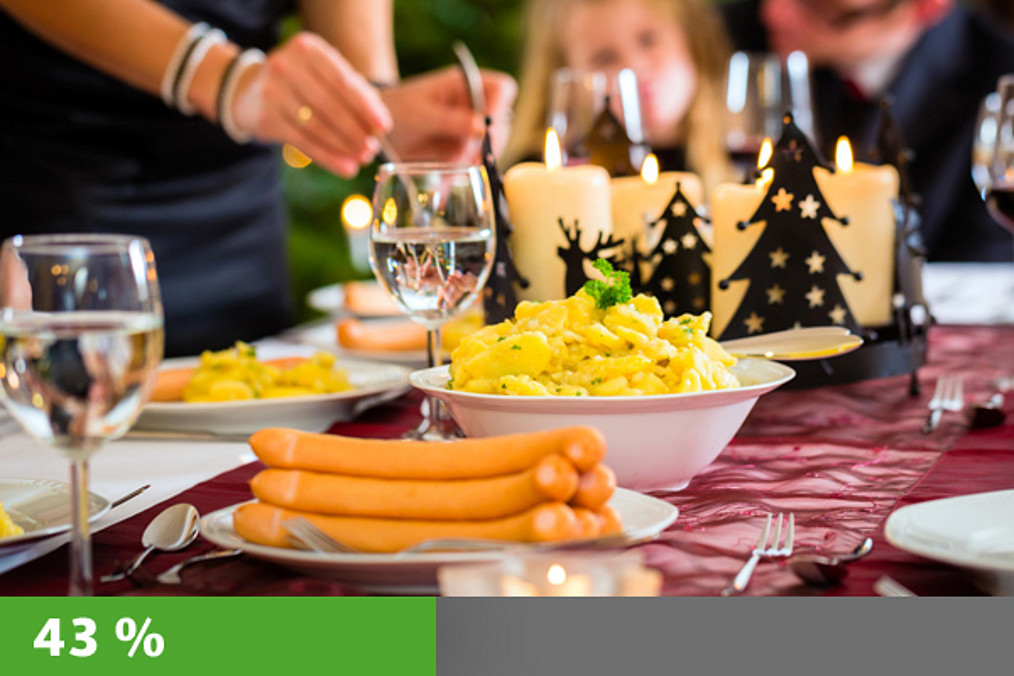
x=260, y=635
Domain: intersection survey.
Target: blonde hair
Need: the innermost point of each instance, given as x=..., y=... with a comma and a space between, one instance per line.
x=702, y=128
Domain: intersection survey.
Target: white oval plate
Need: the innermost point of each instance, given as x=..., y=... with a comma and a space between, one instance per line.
x=971, y=531
x=42, y=507
x=375, y=383
x=643, y=517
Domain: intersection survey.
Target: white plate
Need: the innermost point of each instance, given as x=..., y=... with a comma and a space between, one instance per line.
x=971, y=531
x=325, y=337
x=374, y=383
x=642, y=515
x=42, y=507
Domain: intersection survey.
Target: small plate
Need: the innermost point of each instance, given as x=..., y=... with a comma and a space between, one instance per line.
x=42, y=507
x=971, y=531
x=416, y=573
x=324, y=336
x=333, y=300
x=375, y=383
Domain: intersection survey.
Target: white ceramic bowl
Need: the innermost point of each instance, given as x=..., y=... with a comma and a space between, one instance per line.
x=654, y=442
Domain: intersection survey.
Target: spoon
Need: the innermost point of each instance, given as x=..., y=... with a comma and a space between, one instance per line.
x=812, y=342
x=173, y=529
x=823, y=571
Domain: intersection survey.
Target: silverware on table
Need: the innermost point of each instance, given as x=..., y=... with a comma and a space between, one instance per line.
x=990, y=413
x=823, y=571
x=777, y=546
x=174, y=528
x=172, y=575
x=949, y=395
x=129, y=496
x=186, y=435
x=306, y=533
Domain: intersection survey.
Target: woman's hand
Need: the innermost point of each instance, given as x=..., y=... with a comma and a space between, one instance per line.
x=308, y=95
x=433, y=116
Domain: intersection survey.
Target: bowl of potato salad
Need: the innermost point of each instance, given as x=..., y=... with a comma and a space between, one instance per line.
x=666, y=396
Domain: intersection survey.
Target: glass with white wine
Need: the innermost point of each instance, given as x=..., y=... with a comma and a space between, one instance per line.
x=431, y=247
x=81, y=336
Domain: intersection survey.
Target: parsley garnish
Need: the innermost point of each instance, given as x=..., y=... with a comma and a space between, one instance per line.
x=614, y=291
x=515, y=347
x=596, y=381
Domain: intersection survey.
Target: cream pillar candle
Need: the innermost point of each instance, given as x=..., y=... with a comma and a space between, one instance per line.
x=863, y=194
x=731, y=203
x=639, y=200
x=538, y=196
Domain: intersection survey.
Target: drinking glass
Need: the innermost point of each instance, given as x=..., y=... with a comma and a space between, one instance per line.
x=80, y=341
x=985, y=140
x=576, y=97
x=431, y=246
x=759, y=89
x=999, y=190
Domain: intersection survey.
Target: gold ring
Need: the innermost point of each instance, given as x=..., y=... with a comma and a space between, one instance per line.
x=303, y=115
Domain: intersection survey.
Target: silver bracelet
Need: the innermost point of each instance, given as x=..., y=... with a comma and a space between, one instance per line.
x=172, y=69
x=227, y=93
x=190, y=65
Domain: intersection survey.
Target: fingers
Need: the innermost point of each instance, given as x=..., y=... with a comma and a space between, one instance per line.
x=310, y=97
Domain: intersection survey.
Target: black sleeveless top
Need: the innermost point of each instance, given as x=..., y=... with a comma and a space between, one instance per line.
x=83, y=152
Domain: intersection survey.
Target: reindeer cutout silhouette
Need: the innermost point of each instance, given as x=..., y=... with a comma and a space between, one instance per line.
x=574, y=256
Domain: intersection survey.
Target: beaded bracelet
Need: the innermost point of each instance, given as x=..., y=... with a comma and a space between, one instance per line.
x=170, y=77
x=227, y=92
x=190, y=64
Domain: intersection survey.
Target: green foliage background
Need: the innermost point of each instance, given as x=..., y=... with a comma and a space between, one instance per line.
x=424, y=33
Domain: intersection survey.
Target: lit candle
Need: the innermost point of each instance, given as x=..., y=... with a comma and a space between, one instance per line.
x=862, y=193
x=562, y=583
x=732, y=203
x=639, y=200
x=538, y=196
x=357, y=213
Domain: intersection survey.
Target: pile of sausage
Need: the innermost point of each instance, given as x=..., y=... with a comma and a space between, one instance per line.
x=385, y=495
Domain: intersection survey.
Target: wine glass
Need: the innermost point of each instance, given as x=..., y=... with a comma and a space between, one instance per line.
x=985, y=140
x=759, y=89
x=80, y=340
x=577, y=97
x=431, y=246
x=999, y=189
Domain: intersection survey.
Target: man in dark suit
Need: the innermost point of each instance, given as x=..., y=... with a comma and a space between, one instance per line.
x=935, y=59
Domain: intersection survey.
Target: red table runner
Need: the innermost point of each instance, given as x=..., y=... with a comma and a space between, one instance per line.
x=841, y=458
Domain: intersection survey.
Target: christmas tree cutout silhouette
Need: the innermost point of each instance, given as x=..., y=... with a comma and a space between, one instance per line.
x=499, y=297
x=681, y=280
x=574, y=257
x=608, y=144
x=793, y=268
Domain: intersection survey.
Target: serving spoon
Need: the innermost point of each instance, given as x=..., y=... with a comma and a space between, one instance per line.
x=812, y=342
x=823, y=571
x=173, y=529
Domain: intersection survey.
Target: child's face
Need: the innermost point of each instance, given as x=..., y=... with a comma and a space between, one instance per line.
x=609, y=35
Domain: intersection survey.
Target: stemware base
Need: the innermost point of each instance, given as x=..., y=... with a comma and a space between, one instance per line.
x=439, y=427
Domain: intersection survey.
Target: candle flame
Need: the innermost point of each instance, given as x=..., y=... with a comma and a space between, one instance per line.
x=553, y=156
x=843, y=155
x=767, y=149
x=556, y=574
x=766, y=177
x=649, y=169
x=357, y=212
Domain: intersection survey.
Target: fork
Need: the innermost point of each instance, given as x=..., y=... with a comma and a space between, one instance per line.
x=949, y=395
x=775, y=547
x=314, y=538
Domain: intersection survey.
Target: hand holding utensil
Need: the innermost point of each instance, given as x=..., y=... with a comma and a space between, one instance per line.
x=173, y=529
x=775, y=547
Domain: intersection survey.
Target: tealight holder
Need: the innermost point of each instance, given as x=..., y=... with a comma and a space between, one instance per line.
x=553, y=574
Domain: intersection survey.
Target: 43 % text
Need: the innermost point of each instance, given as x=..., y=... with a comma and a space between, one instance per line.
x=85, y=643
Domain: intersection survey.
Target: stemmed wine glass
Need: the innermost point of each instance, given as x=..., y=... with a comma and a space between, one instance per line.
x=999, y=188
x=431, y=246
x=80, y=341
x=759, y=89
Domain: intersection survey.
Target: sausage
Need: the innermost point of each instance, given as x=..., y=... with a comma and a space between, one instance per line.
x=553, y=478
x=404, y=459
x=170, y=383
x=262, y=524
x=595, y=487
x=589, y=522
x=355, y=334
x=611, y=522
